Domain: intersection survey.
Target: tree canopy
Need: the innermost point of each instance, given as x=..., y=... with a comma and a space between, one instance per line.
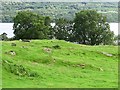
x=88, y=27
x=62, y=29
x=91, y=28
x=29, y=25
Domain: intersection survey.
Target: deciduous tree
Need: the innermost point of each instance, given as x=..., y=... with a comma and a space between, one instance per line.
x=91, y=28
x=29, y=25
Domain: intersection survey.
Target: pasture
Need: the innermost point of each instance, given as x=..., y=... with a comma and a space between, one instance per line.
x=58, y=64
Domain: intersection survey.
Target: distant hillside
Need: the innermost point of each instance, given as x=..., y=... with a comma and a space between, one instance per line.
x=58, y=64
x=59, y=9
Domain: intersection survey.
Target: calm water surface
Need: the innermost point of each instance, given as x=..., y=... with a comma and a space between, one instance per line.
x=8, y=28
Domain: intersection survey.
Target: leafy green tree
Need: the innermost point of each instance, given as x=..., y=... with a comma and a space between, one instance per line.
x=29, y=25
x=91, y=28
x=63, y=29
x=47, y=21
x=3, y=37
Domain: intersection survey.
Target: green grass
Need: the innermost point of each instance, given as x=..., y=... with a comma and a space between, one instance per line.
x=39, y=64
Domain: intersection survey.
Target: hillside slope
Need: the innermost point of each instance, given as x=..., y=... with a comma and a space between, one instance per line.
x=57, y=64
x=57, y=10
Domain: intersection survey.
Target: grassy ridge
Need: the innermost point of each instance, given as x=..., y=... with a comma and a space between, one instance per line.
x=56, y=63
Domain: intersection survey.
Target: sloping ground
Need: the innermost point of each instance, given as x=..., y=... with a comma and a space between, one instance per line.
x=57, y=64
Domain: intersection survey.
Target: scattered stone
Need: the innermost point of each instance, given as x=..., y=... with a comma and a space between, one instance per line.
x=23, y=47
x=5, y=61
x=20, y=40
x=100, y=69
x=54, y=61
x=81, y=65
x=35, y=63
x=25, y=40
x=13, y=44
x=107, y=54
x=12, y=53
x=48, y=50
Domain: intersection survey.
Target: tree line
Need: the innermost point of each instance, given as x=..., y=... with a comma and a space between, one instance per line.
x=88, y=27
x=58, y=9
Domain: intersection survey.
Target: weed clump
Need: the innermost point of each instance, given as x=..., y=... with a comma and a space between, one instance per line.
x=18, y=69
x=56, y=47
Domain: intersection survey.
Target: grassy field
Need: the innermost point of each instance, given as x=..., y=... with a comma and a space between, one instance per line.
x=58, y=64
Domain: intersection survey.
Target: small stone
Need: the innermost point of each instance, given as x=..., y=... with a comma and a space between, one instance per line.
x=107, y=54
x=48, y=50
x=25, y=40
x=100, y=69
x=12, y=53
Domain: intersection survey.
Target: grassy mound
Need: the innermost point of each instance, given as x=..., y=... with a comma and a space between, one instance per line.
x=57, y=64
